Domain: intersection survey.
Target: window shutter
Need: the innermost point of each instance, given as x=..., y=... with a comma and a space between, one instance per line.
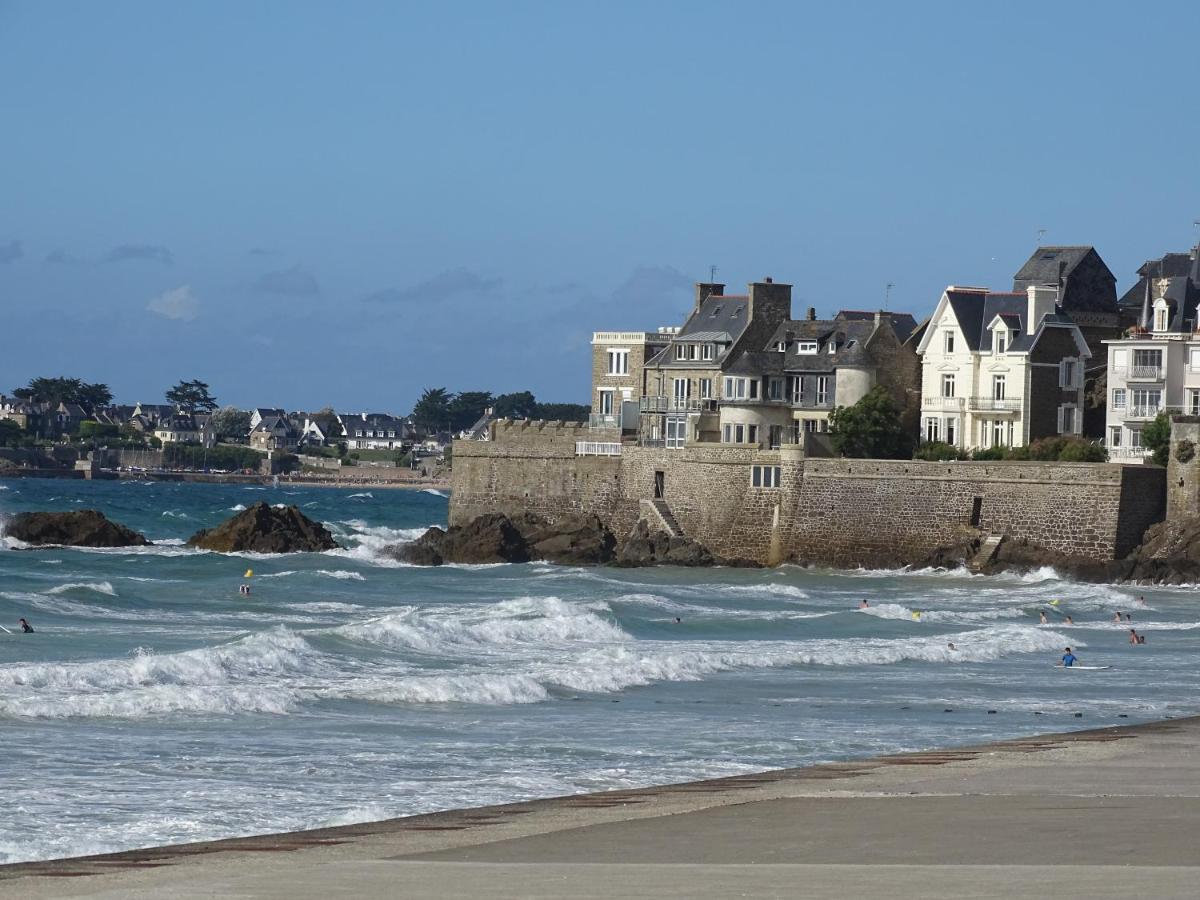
x=1060, y=419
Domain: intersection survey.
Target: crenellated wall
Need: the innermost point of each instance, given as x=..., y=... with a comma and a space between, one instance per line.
x=836, y=511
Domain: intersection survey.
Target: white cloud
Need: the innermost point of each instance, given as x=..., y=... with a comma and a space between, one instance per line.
x=177, y=303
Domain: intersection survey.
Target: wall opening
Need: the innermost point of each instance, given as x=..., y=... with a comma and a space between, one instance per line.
x=660, y=484
x=976, y=511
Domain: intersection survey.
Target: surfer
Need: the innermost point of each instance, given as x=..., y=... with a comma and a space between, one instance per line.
x=26, y=628
x=1069, y=658
x=678, y=620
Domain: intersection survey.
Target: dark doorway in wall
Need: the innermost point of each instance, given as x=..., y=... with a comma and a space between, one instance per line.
x=976, y=511
x=660, y=482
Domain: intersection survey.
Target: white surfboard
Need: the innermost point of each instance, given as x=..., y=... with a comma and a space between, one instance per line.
x=1083, y=668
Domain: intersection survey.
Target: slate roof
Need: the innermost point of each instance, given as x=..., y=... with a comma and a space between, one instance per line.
x=902, y=323
x=1046, y=263
x=848, y=336
x=717, y=314
x=1182, y=271
x=975, y=310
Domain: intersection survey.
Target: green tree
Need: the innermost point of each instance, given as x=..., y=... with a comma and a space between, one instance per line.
x=515, y=406
x=937, y=451
x=191, y=397
x=1156, y=437
x=65, y=390
x=870, y=428
x=433, y=409
x=90, y=430
x=230, y=422
x=466, y=408
x=11, y=434
x=566, y=412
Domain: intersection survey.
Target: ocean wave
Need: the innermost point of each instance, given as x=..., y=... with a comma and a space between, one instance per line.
x=485, y=689
x=237, y=507
x=435, y=493
x=100, y=587
x=955, y=617
x=174, y=514
x=363, y=495
x=340, y=574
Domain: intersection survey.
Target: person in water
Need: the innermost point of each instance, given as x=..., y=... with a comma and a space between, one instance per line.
x=1069, y=658
x=1068, y=621
x=26, y=628
x=1042, y=615
x=1117, y=617
x=1133, y=636
x=862, y=604
x=951, y=646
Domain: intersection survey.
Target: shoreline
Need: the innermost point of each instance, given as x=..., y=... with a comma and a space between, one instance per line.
x=263, y=480
x=1153, y=762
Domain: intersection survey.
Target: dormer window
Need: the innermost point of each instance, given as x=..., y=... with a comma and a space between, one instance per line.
x=706, y=352
x=681, y=351
x=1001, y=340
x=806, y=347
x=716, y=311
x=832, y=347
x=781, y=346
x=1161, y=314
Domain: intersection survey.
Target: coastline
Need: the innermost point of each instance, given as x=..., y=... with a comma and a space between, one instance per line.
x=1099, y=812
x=204, y=478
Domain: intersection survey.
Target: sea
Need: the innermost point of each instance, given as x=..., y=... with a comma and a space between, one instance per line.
x=155, y=704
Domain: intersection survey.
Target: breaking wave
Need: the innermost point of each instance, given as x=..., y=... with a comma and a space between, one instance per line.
x=100, y=587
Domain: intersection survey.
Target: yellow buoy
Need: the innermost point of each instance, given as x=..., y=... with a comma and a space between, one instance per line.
x=917, y=614
x=249, y=573
x=1054, y=603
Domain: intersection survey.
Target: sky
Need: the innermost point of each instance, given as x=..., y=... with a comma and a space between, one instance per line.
x=311, y=204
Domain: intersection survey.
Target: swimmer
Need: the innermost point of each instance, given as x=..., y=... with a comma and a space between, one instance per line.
x=1068, y=621
x=1117, y=617
x=862, y=604
x=677, y=620
x=1128, y=617
x=951, y=646
x=1042, y=615
x=1133, y=636
x=26, y=628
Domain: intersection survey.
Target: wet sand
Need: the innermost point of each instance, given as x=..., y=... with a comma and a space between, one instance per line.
x=1112, y=812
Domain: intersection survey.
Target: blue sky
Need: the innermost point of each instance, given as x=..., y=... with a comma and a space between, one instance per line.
x=307, y=204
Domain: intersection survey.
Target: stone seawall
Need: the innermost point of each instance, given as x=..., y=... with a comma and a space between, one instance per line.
x=841, y=512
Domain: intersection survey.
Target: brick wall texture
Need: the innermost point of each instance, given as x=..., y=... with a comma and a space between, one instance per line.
x=841, y=512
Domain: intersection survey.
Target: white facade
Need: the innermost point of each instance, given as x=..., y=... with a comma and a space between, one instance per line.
x=977, y=394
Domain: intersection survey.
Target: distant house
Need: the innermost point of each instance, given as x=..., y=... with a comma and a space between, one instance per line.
x=274, y=433
x=320, y=431
x=480, y=430
x=67, y=417
x=178, y=428
x=152, y=412
x=375, y=431
x=28, y=416
x=265, y=412
x=1001, y=369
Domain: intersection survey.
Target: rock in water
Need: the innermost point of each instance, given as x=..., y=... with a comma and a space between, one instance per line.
x=646, y=548
x=266, y=529
x=577, y=539
x=81, y=528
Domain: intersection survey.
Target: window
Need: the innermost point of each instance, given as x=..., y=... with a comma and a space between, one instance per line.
x=933, y=430
x=735, y=388
x=775, y=389
x=781, y=346
x=618, y=362
x=1118, y=398
x=1001, y=341
x=810, y=425
x=676, y=432
x=832, y=347
x=739, y=434
x=998, y=433
x=1114, y=436
x=1193, y=402
x=1068, y=373
x=1135, y=438
x=1160, y=320
x=949, y=342
x=1145, y=402
x=947, y=385
x=727, y=434
x=752, y=434
x=795, y=388
x=1146, y=363
x=681, y=351
x=358, y=433
x=765, y=476
x=682, y=388
x=1066, y=420
x=705, y=388
x=806, y=347
x=753, y=388
x=706, y=352
x=1194, y=360
x=998, y=382
x=951, y=425
x=693, y=351
x=775, y=436
x=605, y=404
x=822, y=390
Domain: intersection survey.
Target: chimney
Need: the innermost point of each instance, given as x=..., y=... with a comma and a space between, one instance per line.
x=769, y=302
x=704, y=291
x=1042, y=301
x=767, y=279
x=812, y=314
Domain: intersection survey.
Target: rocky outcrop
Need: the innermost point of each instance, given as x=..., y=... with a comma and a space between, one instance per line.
x=266, y=529
x=1169, y=554
x=81, y=528
x=656, y=548
x=574, y=540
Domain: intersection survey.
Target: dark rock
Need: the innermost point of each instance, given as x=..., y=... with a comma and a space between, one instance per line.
x=81, y=528
x=575, y=539
x=646, y=548
x=424, y=551
x=265, y=529
x=1169, y=554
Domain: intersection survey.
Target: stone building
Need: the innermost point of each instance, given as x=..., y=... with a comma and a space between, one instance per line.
x=618, y=373
x=1155, y=366
x=1001, y=369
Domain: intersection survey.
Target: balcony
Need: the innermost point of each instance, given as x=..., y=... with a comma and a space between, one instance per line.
x=994, y=404
x=677, y=404
x=597, y=448
x=1127, y=453
x=1138, y=373
x=1142, y=412
x=950, y=403
x=603, y=420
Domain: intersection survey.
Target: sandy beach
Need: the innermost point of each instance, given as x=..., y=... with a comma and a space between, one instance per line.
x=1111, y=812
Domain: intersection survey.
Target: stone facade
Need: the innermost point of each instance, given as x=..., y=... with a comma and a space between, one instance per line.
x=834, y=511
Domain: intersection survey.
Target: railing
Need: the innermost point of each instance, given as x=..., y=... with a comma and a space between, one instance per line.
x=1138, y=373
x=1128, y=452
x=995, y=404
x=597, y=448
x=1142, y=412
x=677, y=404
x=942, y=403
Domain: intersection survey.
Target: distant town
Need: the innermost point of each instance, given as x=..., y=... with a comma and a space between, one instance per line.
x=66, y=426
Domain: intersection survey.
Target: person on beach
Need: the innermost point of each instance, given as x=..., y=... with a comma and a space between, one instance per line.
x=1042, y=616
x=1069, y=659
x=26, y=628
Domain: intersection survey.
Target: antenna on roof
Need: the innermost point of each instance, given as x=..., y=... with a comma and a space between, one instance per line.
x=1041, y=234
x=887, y=294
x=712, y=274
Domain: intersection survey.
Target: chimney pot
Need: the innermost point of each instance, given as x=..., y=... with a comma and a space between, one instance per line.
x=768, y=280
x=812, y=314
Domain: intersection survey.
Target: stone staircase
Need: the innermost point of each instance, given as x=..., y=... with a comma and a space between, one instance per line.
x=659, y=517
x=987, y=551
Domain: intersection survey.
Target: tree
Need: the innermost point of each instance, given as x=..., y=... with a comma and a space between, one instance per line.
x=515, y=406
x=466, y=408
x=566, y=412
x=192, y=396
x=870, y=428
x=90, y=430
x=230, y=422
x=433, y=409
x=11, y=434
x=65, y=390
x=1156, y=437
